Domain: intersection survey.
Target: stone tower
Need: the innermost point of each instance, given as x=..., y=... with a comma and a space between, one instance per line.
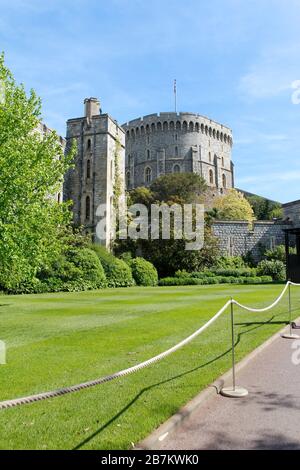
x=163, y=143
x=99, y=162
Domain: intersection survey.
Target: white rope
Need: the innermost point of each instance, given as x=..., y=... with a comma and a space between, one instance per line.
x=108, y=378
x=265, y=308
x=142, y=365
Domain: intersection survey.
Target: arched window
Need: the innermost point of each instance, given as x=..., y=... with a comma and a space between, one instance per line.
x=89, y=144
x=224, y=180
x=184, y=126
x=152, y=127
x=148, y=154
x=214, y=133
x=176, y=169
x=191, y=127
x=159, y=126
x=206, y=130
x=211, y=177
x=165, y=126
x=128, y=179
x=223, y=163
x=210, y=131
x=178, y=125
x=176, y=151
x=172, y=126
x=202, y=128
x=88, y=169
x=87, y=208
x=209, y=156
x=197, y=127
x=148, y=175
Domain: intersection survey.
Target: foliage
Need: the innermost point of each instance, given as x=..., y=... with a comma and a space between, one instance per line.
x=233, y=206
x=209, y=280
x=169, y=256
x=181, y=188
x=118, y=273
x=278, y=253
x=32, y=224
x=144, y=273
x=274, y=268
x=264, y=209
x=141, y=195
x=230, y=262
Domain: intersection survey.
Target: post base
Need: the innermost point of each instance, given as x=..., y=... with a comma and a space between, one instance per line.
x=289, y=336
x=230, y=392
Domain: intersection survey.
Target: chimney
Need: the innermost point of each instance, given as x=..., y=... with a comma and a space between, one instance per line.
x=91, y=107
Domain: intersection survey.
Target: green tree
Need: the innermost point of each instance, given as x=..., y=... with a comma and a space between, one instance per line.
x=181, y=188
x=233, y=206
x=264, y=209
x=32, y=224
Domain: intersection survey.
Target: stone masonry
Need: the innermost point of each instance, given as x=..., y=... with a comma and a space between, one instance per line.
x=163, y=143
x=101, y=146
x=238, y=238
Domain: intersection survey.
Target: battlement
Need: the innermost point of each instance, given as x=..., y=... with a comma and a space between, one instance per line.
x=186, y=122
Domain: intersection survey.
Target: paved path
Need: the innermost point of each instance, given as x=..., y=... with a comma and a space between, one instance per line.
x=269, y=418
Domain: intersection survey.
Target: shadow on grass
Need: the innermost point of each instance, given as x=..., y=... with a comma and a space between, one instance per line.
x=183, y=374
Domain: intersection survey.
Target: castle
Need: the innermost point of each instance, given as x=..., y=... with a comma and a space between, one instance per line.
x=142, y=150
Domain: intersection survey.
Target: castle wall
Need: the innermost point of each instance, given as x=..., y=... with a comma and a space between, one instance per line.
x=237, y=238
x=292, y=211
x=91, y=182
x=168, y=142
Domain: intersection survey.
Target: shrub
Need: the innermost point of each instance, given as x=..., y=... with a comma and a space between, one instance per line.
x=273, y=268
x=236, y=272
x=191, y=281
x=278, y=253
x=230, y=262
x=118, y=273
x=144, y=273
x=88, y=263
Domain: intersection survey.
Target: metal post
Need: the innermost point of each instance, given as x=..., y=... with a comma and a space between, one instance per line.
x=234, y=391
x=232, y=344
x=290, y=335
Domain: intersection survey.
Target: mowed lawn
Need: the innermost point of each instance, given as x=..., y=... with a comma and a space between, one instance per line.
x=55, y=340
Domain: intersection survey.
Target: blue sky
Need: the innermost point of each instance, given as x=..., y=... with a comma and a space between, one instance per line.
x=234, y=61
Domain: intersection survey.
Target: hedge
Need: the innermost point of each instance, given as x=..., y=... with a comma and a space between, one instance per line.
x=144, y=273
x=118, y=273
x=193, y=281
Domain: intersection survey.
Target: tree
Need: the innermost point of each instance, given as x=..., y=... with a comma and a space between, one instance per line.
x=264, y=209
x=181, y=188
x=233, y=206
x=32, y=224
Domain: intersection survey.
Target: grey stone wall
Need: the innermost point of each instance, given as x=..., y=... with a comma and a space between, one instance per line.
x=237, y=238
x=292, y=211
x=185, y=142
x=94, y=174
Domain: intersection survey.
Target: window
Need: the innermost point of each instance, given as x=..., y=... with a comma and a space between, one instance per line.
x=176, y=151
x=211, y=177
x=88, y=169
x=209, y=156
x=223, y=163
x=89, y=144
x=87, y=208
x=148, y=154
x=128, y=179
x=224, y=181
x=176, y=169
x=148, y=175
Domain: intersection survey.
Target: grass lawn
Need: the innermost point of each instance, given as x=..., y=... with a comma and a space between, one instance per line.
x=56, y=340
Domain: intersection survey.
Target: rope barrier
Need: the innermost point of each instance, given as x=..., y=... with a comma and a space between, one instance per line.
x=75, y=388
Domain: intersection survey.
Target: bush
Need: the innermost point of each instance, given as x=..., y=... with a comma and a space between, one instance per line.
x=278, y=253
x=230, y=262
x=273, y=268
x=118, y=273
x=144, y=273
x=88, y=263
x=192, y=281
x=237, y=272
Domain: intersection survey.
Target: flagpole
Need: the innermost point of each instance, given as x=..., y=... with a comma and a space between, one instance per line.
x=175, y=95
